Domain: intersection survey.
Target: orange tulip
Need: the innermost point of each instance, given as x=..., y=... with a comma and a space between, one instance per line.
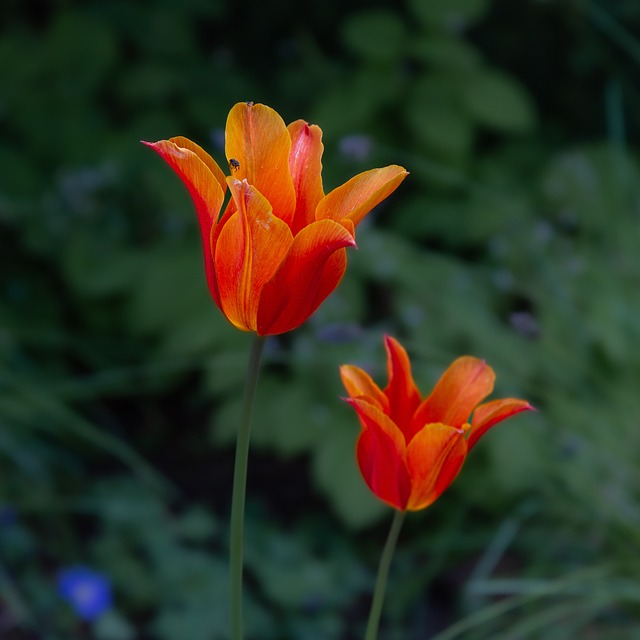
x=411, y=449
x=279, y=248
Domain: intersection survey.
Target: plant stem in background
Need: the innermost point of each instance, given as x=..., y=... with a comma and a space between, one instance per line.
x=383, y=572
x=240, y=488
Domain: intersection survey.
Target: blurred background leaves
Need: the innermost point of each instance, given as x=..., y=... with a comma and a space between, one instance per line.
x=514, y=239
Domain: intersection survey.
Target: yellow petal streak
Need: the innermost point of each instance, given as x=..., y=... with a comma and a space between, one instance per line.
x=359, y=384
x=434, y=458
x=211, y=164
x=257, y=138
x=355, y=198
x=249, y=250
x=463, y=385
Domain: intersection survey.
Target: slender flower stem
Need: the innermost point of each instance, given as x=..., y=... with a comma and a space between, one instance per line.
x=240, y=488
x=383, y=572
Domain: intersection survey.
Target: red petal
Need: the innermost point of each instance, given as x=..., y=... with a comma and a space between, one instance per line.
x=305, y=165
x=381, y=456
x=311, y=270
x=248, y=251
x=434, y=458
x=355, y=198
x=463, y=385
x=257, y=138
x=401, y=391
x=487, y=415
x=359, y=384
x=201, y=175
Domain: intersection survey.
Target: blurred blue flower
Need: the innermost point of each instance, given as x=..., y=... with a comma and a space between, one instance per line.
x=356, y=146
x=339, y=332
x=87, y=591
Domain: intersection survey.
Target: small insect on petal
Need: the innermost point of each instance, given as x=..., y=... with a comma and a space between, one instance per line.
x=234, y=164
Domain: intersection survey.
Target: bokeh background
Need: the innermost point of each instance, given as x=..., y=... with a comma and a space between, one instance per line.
x=515, y=238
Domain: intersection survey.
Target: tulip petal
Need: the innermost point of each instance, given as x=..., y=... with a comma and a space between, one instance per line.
x=201, y=175
x=305, y=166
x=212, y=165
x=355, y=198
x=434, y=458
x=359, y=384
x=463, y=385
x=311, y=270
x=401, y=391
x=257, y=138
x=489, y=414
x=381, y=455
x=248, y=251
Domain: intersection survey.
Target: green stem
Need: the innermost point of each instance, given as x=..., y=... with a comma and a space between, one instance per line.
x=383, y=573
x=240, y=488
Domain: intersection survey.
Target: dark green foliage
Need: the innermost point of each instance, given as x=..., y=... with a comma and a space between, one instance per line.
x=514, y=239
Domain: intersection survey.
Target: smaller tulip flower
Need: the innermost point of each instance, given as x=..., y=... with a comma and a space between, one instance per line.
x=411, y=449
x=279, y=248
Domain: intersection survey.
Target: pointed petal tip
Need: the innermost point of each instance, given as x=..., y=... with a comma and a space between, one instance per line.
x=400, y=172
x=344, y=369
x=492, y=413
x=351, y=230
x=156, y=144
x=352, y=401
x=358, y=401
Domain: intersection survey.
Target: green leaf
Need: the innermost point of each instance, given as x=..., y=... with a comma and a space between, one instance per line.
x=377, y=35
x=432, y=218
x=445, y=50
x=511, y=459
x=591, y=179
x=197, y=524
x=289, y=417
x=81, y=48
x=350, y=105
x=496, y=100
x=444, y=131
x=434, y=115
x=225, y=370
x=335, y=471
x=450, y=14
x=313, y=564
x=112, y=626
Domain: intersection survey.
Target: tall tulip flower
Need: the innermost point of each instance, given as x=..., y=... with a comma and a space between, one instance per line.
x=411, y=449
x=279, y=248
x=275, y=253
